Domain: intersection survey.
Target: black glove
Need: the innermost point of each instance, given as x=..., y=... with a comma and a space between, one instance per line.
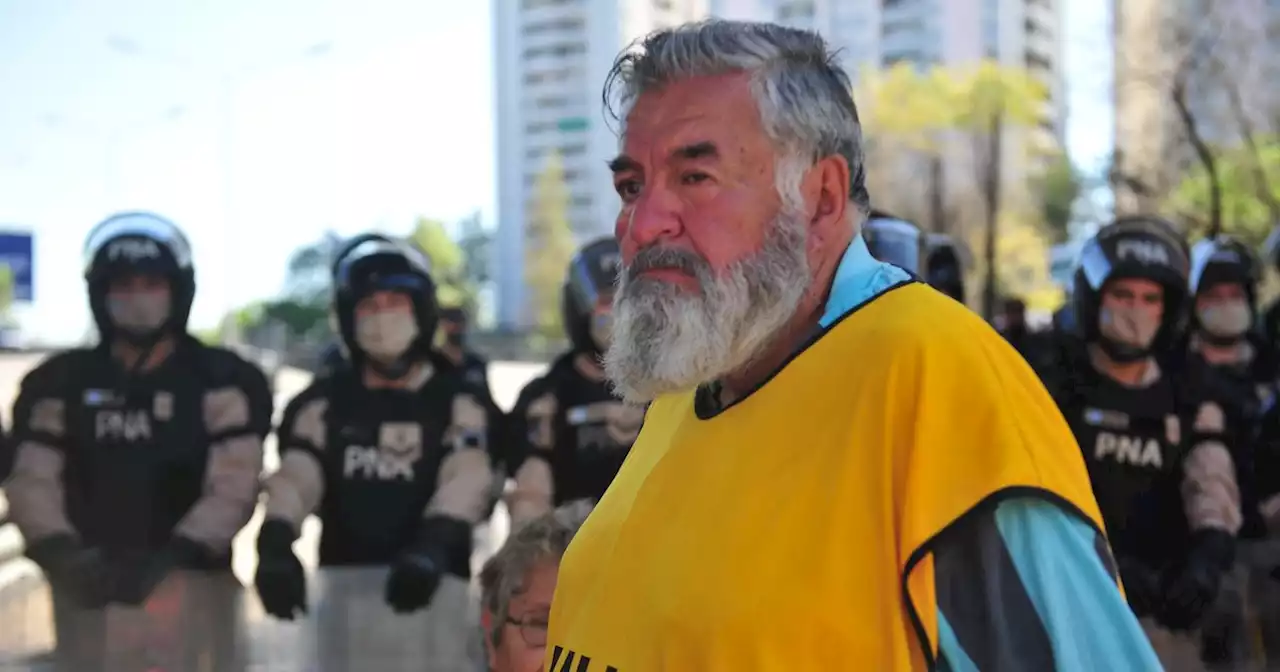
x=136, y=580
x=280, y=579
x=1141, y=585
x=1190, y=591
x=79, y=572
x=442, y=545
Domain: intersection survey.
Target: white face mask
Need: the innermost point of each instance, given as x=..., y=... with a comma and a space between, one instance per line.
x=1226, y=319
x=386, y=336
x=140, y=313
x=1128, y=326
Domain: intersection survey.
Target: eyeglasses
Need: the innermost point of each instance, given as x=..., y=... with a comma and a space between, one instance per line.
x=533, y=629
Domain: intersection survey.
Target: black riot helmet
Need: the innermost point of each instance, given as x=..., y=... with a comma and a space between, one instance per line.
x=1145, y=247
x=139, y=243
x=347, y=245
x=945, y=262
x=373, y=264
x=894, y=240
x=1224, y=259
x=1218, y=261
x=592, y=273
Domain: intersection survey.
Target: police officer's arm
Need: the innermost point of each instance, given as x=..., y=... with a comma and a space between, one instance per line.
x=294, y=491
x=41, y=439
x=1026, y=585
x=466, y=476
x=531, y=440
x=1210, y=494
x=237, y=417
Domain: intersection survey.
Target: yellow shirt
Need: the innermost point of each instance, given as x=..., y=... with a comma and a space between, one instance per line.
x=790, y=532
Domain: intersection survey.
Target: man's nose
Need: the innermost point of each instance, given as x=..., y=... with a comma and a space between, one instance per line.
x=655, y=216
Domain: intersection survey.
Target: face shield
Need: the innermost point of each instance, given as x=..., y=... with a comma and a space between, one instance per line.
x=896, y=242
x=138, y=241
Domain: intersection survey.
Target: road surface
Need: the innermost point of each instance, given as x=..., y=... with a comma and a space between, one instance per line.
x=25, y=612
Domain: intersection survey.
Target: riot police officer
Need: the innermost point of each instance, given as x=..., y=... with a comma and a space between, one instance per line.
x=333, y=357
x=142, y=454
x=945, y=265
x=570, y=434
x=392, y=452
x=1163, y=478
x=453, y=347
x=895, y=241
x=1222, y=359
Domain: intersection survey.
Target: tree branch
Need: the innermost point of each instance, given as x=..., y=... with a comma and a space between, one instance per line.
x=1178, y=95
x=1257, y=169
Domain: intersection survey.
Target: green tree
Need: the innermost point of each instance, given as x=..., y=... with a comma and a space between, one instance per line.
x=300, y=318
x=477, y=245
x=548, y=247
x=1245, y=211
x=6, y=293
x=1057, y=191
x=308, y=278
x=448, y=263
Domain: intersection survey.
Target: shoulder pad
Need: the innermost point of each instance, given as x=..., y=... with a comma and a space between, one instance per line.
x=226, y=366
x=60, y=367
x=318, y=389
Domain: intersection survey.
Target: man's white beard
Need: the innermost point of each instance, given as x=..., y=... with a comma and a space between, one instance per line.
x=667, y=338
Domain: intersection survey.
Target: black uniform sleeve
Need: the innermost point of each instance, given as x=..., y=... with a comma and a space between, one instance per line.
x=236, y=409
x=40, y=439
x=295, y=490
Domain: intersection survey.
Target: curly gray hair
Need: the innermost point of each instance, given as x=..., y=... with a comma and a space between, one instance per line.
x=540, y=539
x=804, y=98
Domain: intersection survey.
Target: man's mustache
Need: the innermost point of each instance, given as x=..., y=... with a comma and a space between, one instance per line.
x=666, y=258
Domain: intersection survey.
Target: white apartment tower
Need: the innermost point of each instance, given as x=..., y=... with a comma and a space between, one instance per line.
x=552, y=57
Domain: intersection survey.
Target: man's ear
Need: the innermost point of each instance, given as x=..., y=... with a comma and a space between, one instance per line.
x=486, y=624
x=826, y=190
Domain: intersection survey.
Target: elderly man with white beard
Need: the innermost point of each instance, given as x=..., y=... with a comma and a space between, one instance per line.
x=840, y=468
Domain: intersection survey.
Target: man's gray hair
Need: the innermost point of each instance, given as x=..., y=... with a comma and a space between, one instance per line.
x=538, y=540
x=804, y=97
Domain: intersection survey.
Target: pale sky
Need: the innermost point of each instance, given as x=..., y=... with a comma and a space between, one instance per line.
x=344, y=114
x=393, y=119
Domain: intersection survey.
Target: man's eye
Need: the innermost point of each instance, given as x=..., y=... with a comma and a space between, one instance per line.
x=627, y=189
x=694, y=178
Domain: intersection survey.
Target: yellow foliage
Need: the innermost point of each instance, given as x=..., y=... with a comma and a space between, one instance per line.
x=910, y=105
x=1022, y=263
x=548, y=247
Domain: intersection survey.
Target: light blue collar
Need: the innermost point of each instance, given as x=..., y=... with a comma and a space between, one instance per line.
x=859, y=278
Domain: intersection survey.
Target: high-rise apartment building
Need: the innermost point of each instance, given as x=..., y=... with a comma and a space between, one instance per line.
x=552, y=57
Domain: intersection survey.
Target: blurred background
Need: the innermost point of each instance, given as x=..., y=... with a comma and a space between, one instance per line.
x=269, y=130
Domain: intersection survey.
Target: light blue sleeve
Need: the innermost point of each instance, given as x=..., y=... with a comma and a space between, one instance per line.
x=1030, y=560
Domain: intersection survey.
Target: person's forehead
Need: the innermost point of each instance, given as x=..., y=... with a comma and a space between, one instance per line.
x=1136, y=284
x=719, y=109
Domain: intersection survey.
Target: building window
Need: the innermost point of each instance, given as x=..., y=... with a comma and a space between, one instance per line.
x=802, y=9
x=912, y=57
x=535, y=4
x=556, y=25
x=1037, y=62
x=550, y=102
